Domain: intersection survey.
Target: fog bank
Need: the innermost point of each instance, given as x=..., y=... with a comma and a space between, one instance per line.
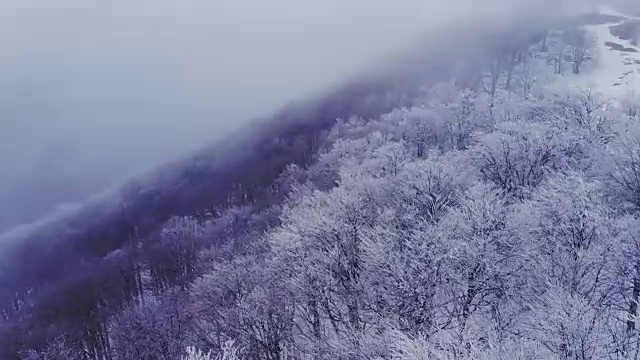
x=95, y=91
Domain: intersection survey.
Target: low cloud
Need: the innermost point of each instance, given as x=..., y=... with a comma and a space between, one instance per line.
x=94, y=91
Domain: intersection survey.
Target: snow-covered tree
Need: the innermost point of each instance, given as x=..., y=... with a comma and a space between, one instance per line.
x=518, y=156
x=573, y=268
x=247, y=300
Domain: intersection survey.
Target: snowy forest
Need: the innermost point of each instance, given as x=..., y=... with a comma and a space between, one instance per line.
x=492, y=215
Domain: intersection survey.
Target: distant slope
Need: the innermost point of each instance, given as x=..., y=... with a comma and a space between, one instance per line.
x=613, y=59
x=617, y=72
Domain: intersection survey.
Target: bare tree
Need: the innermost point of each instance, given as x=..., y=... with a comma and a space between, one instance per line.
x=559, y=61
x=527, y=77
x=576, y=39
x=509, y=51
x=495, y=71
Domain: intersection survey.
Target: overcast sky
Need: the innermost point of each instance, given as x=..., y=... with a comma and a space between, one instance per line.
x=92, y=91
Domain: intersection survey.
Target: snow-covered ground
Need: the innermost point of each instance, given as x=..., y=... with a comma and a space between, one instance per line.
x=617, y=73
x=613, y=73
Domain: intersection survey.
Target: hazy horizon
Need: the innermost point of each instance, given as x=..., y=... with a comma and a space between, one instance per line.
x=94, y=93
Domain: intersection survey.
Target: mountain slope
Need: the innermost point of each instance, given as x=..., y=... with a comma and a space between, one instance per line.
x=95, y=275
x=617, y=71
x=41, y=264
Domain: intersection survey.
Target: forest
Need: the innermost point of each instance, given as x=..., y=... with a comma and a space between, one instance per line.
x=481, y=215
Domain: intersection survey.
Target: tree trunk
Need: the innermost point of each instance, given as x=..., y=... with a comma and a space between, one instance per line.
x=560, y=61
x=633, y=304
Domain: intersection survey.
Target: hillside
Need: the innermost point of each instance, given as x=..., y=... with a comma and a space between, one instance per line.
x=41, y=262
x=480, y=202
x=616, y=57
